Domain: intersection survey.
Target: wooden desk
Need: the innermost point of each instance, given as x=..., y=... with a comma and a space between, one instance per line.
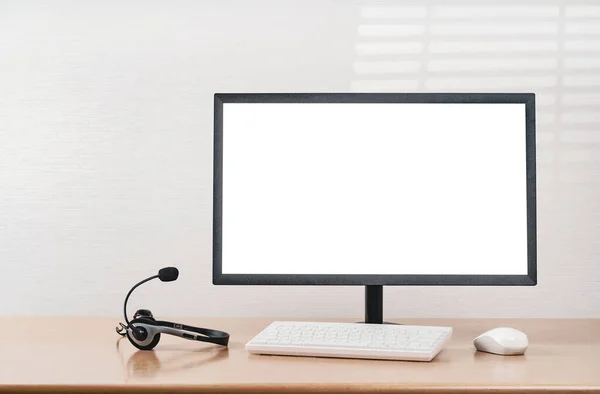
x=81, y=355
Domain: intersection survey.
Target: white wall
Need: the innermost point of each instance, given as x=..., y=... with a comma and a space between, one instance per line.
x=106, y=140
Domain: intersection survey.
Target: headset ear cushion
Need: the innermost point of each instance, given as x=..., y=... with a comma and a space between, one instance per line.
x=136, y=343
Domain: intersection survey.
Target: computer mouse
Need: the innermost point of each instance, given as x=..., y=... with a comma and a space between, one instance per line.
x=502, y=340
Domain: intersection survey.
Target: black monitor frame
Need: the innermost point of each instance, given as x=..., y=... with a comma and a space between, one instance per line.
x=530, y=279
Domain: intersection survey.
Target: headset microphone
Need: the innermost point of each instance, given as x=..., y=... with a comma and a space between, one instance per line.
x=144, y=331
x=168, y=274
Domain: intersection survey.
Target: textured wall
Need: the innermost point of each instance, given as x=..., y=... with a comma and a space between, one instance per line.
x=106, y=144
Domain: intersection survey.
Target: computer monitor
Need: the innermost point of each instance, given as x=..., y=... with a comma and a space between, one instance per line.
x=374, y=189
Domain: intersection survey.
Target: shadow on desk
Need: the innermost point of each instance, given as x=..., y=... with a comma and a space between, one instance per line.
x=147, y=363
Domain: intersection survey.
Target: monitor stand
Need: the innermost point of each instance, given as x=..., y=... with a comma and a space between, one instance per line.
x=374, y=305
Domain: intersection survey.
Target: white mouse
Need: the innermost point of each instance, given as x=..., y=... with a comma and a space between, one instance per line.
x=502, y=340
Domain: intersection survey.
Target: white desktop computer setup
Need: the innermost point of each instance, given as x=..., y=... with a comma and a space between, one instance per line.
x=371, y=189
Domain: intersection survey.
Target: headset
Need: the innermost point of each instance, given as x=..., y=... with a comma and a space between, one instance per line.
x=144, y=331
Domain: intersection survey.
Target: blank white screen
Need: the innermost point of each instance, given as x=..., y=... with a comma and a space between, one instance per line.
x=374, y=189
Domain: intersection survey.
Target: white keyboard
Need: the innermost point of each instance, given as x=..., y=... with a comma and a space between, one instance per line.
x=351, y=340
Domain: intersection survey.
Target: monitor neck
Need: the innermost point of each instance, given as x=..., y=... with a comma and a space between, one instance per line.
x=374, y=304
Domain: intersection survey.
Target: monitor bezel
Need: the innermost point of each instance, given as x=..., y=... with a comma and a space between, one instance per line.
x=530, y=279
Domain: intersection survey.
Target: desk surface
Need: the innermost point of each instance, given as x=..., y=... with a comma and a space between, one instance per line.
x=77, y=354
